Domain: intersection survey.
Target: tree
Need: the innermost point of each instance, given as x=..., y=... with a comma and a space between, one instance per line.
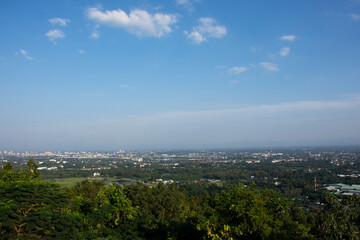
x=84, y=196
x=163, y=210
x=248, y=213
x=35, y=209
x=31, y=209
x=32, y=173
x=337, y=220
x=105, y=210
x=7, y=174
x=114, y=206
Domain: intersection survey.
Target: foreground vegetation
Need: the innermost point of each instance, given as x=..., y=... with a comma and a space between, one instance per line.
x=32, y=209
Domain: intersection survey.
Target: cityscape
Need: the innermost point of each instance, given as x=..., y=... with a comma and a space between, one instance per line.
x=98, y=163
x=180, y=120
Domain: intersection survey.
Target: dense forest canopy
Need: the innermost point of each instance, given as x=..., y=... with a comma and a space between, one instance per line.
x=31, y=209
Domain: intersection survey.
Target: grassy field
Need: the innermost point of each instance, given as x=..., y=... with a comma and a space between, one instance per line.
x=70, y=182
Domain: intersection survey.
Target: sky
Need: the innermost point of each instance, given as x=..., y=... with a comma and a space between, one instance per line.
x=141, y=74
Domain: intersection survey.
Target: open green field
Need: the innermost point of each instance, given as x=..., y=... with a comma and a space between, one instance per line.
x=70, y=182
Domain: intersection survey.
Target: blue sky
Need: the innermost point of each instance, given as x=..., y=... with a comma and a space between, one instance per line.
x=135, y=74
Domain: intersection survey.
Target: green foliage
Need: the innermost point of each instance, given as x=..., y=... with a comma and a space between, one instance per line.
x=106, y=211
x=32, y=209
x=7, y=174
x=337, y=221
x=35, y=209
x=114, y=206
x=163, y=210
x=85, y=196
x=248, y=213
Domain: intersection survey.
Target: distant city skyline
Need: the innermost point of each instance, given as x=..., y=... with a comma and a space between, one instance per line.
x=178, y=74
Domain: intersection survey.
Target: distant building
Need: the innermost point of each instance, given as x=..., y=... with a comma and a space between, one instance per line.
x=344, y=189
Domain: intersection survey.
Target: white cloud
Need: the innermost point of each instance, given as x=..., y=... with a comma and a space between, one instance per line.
x=182, y=2
x=138, y=22
x=300, y=122
x=288, y=38
x=55, y=34
x=126, y=86
x=287, y=121
x=95, y=35
x=24, y=53
x=233, y=82
x=254, y=49
x=158, y=7
x=270, y=66
x=220, y=67
x=237, y=70
x=281, y=107
x=284, y=51
x=59, y=21
x=81, y=51
x=355, y=17
x=205, y=30
x=188, y=4
x=195, y=36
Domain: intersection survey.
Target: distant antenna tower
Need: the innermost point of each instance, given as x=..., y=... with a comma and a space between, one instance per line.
x=315, y=184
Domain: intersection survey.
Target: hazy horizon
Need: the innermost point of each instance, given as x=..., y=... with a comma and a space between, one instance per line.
x=238, y=147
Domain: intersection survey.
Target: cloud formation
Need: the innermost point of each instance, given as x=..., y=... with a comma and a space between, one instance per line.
x=284, y=51
x=237, y=70
x=272, y=67
x=349, y=103
x=188, y=4
x=355, y=17
x=55, y=34
x=207, y=28
x=138, y=22
x=233, y=82
x=183, y=2
x=255, y=49
x=81, y=51
x=282, y=123
x=95, y=35
x=24, y=53
x=59, y=21
x=288, y=38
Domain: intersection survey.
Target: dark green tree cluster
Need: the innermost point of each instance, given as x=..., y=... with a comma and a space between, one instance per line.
x=33, y=209
x=340, y=219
